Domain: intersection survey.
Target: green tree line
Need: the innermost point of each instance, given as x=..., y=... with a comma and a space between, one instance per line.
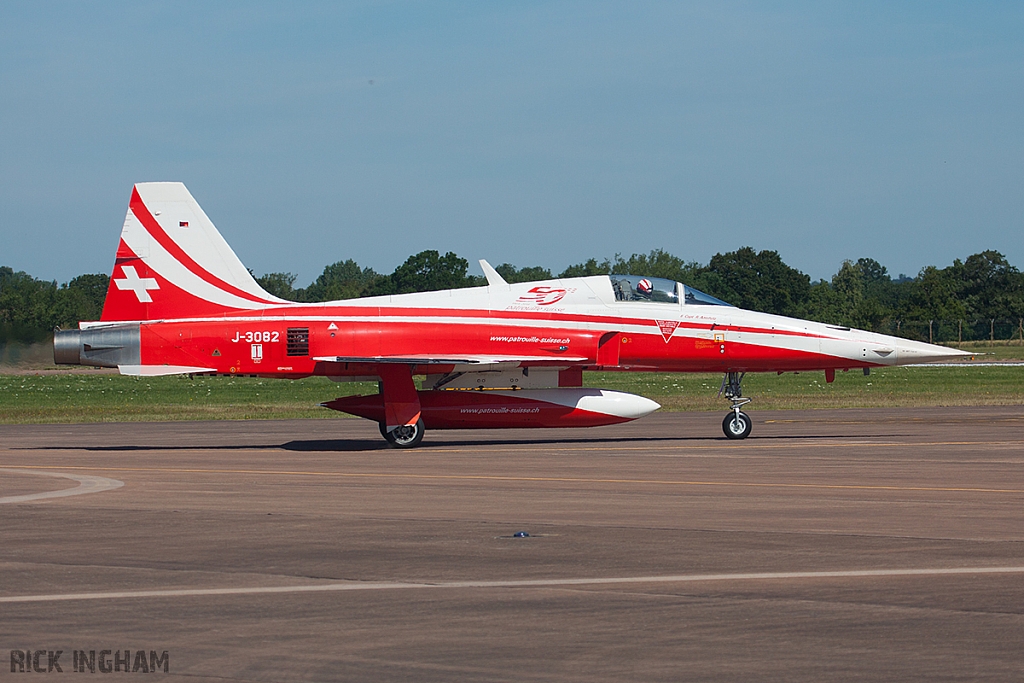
x=31, y=308
x=977, y=298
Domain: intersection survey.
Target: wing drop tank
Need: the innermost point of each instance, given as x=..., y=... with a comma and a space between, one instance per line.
x=471, y=409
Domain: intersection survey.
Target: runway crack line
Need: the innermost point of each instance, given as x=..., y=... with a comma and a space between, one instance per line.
x=525, y=583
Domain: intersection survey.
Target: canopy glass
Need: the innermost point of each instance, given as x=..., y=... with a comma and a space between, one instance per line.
x=658, y=289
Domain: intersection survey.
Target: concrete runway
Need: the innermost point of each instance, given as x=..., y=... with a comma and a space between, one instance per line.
x=831, y=545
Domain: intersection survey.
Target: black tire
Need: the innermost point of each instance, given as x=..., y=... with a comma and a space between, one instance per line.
x=409, y=436
x=737, y=425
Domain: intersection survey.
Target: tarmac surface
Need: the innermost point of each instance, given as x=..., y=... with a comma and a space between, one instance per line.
x=830, y=545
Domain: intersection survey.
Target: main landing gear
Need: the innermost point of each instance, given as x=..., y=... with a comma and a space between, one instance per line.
x=401, y=406
x=407, y=436
x=737, y=424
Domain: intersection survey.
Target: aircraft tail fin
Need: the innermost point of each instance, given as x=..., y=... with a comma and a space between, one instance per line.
x=173, y=263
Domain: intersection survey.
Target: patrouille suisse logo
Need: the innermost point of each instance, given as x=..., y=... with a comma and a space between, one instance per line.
x=542, y=296
x=667, y=327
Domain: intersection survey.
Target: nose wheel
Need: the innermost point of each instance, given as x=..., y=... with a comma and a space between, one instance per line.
x=737, y=424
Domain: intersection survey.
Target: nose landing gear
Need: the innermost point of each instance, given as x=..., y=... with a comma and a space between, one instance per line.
x=737, y=424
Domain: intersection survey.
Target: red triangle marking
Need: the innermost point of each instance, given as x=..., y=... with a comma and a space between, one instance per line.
x=667, y=327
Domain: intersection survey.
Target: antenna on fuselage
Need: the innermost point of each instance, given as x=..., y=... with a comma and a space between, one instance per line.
x=494, y=278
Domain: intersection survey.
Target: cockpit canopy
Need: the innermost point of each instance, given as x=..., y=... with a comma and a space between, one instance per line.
x=642, y=288
x=693, y=296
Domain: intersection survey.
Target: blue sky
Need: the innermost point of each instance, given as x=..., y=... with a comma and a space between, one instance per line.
x=532, y=133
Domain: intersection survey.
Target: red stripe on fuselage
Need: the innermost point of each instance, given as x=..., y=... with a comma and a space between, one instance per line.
x=608, y=322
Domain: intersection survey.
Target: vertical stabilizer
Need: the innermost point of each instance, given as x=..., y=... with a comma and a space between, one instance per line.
x=173, y=263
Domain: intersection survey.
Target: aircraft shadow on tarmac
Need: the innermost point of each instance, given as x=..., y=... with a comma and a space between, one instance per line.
x=368, y=445
x=339, y=445
x=619, y=440
x=348, y=445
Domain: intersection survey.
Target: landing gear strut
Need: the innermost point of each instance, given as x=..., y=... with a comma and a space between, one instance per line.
x=737, y=424
x=401, y=406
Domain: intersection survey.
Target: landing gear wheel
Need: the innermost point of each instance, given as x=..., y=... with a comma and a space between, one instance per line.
x=408, y=436
x=737, y=425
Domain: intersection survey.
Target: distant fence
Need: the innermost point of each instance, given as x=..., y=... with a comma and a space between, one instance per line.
x=987, y=329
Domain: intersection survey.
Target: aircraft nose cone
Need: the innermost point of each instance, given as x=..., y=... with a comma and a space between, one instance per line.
x=909, y=352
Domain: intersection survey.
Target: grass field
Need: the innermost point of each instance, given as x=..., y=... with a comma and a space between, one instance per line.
x=89, y=396
x=103, y=397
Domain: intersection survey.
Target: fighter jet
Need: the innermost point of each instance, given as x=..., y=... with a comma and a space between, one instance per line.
x=503, y=355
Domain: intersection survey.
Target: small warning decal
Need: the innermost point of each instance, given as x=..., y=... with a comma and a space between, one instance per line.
x=667, y=327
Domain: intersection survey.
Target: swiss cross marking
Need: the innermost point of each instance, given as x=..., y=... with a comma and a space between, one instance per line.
x=139, y=285
x=667, y=327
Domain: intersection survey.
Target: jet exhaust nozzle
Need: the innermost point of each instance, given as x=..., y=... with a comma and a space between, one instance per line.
x=66, y=347
x=104, y=347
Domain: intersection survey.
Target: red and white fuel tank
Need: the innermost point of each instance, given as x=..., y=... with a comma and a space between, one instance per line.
x=470, y=409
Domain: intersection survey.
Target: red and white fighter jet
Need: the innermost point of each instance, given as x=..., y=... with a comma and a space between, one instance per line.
x=504, y=355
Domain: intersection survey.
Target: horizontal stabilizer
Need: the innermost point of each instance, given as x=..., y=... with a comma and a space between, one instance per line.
x=161, y=370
